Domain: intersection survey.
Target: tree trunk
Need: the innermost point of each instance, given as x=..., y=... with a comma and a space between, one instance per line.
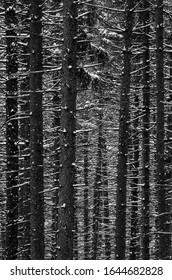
x=168, y=158
x=162, y=211
x=67, y=132
x=57, y=33
x=24, y=134
x=135, y=180
x=123, y=135
x=97, y=196
x=105, y=200
x=145, y=133
x=2, y=224
x=36, y=132
x=56, y=101
x=24, y=187
x=98, y=186
x=11, y=131
x=86, y=218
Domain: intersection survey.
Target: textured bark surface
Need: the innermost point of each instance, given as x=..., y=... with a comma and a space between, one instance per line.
x=24, y=163
x=106, y=218
x=36, y=132
x=145, y=133
x=56, y=101
x=67, y=132
x=162, y=209
x=11, y=132
x=134, y=182
x=97, y=194
x=86, y=217
x=123, y=135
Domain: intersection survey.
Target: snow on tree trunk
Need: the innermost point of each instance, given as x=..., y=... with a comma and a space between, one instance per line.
x=11, y=131
x=24, y=164
x=86, y=217
x=36, y=132
x=145, y=134
x=123, y=135
x=162, y=209
x=67, y=132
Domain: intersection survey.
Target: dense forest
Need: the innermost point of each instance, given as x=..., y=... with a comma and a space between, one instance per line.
x=85, y=129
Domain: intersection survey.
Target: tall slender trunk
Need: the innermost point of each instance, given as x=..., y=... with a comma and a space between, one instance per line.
x=135, y=181
x=2, y=224
x=36, y=132
x=168, y=159
x=67, y=132
x=24, y=134
x=90, y=21
x=162, y=211
x=123, y=135
x=56, y=101
x=24, y=187
x=145, y=134
x=11, y=131
x=97, y=194
x=106, y=218
x=75, y=236
x=57, y=32
x=98, y=202
x=86, y=218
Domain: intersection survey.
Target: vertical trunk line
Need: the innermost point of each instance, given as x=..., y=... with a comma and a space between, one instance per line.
x=36, y=132
x=11, y=132
x=67, y=132
x=124, y=135
x=145, y=135
x=162, y=220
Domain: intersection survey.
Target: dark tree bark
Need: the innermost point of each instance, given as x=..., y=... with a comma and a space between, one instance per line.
x=67, y=132
x=162, y=211
x=145, y=133
x=11, y=131
x=135, y=180
x=86, y=218
x=57, y=32
x=162, y=219
x=168, y=157
x=123, y=135
x=36, y=132
x=97, y=193
x=2, y=224
x=100, y=195
x=56, y=101
x=75, y=236
x=90, y=21
x=24, y=187
x=105, y=200
x=24, y=134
